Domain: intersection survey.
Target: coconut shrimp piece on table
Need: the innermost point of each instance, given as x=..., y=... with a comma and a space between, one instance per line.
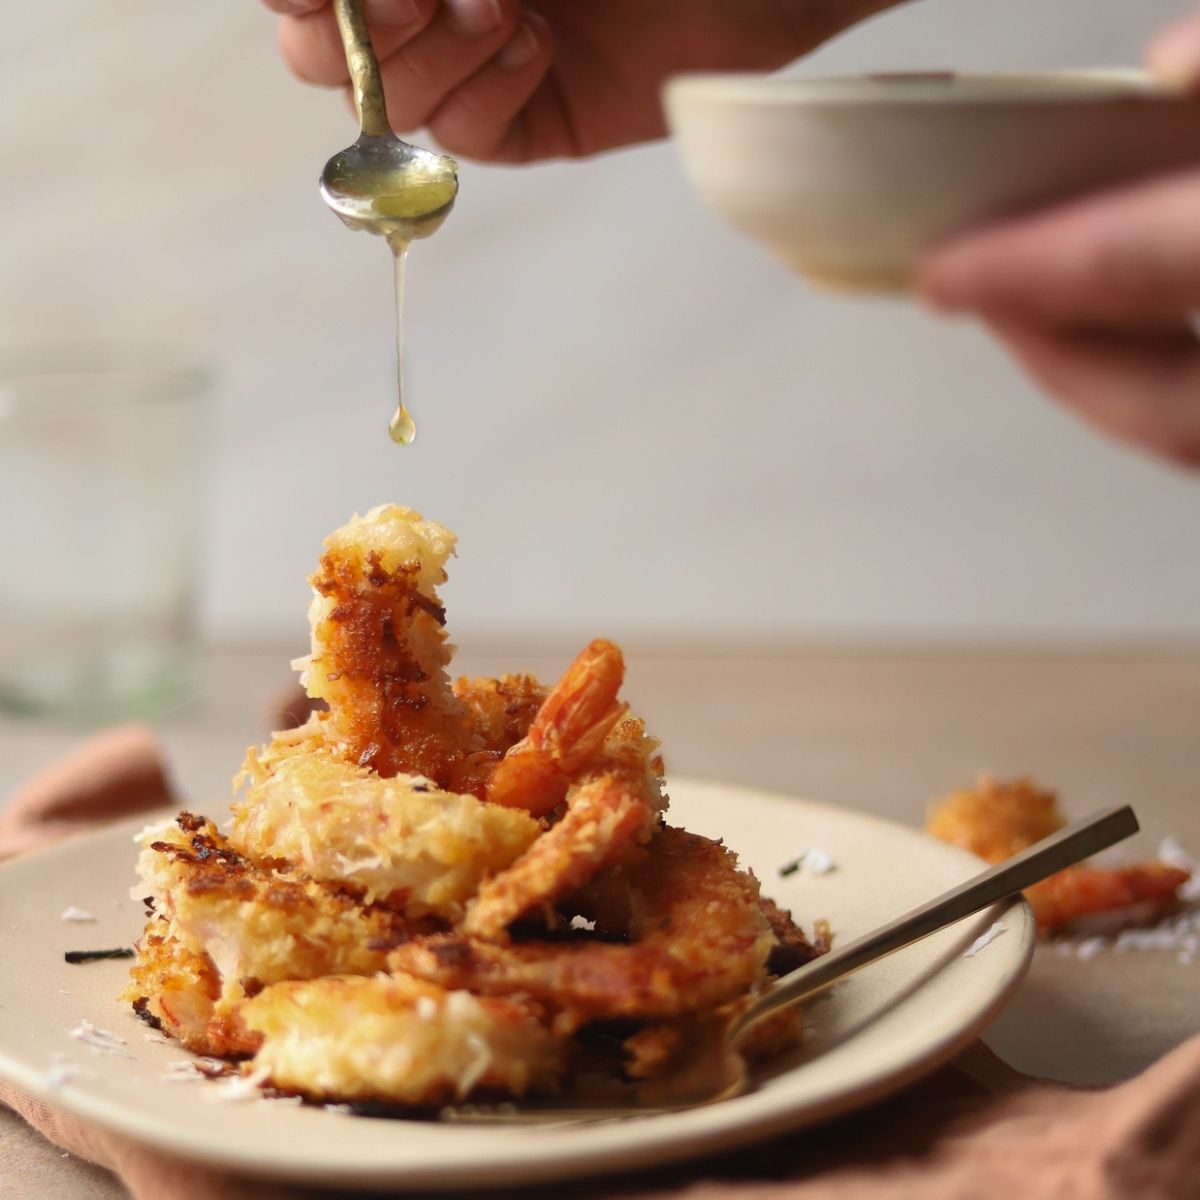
x=996, y=820
x=398, y=1040
x=698, y=939
x=1084, y=891
x=400, y=841
x=221, y=928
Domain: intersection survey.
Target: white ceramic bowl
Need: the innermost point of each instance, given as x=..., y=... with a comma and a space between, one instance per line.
x=849, y=180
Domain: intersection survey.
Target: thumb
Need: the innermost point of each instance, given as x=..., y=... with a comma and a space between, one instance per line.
x=1174, y=56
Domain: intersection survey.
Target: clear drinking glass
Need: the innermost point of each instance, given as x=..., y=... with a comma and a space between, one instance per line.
x=100, y=495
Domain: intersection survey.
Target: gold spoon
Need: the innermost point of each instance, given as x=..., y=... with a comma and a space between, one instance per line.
x=381, y=184
x=715, y=1069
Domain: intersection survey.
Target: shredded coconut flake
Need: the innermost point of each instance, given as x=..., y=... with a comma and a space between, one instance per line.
x=818, y=862
x=985, y=939
x=1157, y=938
x=182, y=1070
x=810, y=861
x=237, y=1089
x=1171, y=852
x=154, y=830
x=99, y=1041
x=80, y=915
x=1178, y=933
x=63, y=1072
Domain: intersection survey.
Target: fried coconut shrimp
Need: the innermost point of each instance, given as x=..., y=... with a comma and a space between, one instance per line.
x=996, y=820
x=698, y=938
x=402, y=841
x=222, y=928
x=400, y=1041
x=608, y=816
x=391, y=916
x=379, y=651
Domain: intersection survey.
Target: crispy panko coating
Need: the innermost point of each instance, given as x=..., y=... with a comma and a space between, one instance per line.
x=176, y=990
x=611, y=810
x=222, y=928
x=698, y=939
x=398, y=1040
x=997, y=820
x=379, y=651
x=567, y=733
x=449, y=834
x=501, y=710
x=793, y=948
x=400, y=841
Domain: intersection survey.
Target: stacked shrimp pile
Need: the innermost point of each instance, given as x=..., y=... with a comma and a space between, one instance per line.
x=432, y=890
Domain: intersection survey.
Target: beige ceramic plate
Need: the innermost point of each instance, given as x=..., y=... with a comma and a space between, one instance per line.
x=868, y=1036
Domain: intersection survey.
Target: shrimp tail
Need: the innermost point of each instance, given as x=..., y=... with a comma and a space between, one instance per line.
x=568, y=731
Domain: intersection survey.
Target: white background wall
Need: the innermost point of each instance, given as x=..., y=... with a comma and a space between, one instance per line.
x=635, y=421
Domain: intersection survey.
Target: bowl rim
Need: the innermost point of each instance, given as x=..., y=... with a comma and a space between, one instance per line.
x=925, y=89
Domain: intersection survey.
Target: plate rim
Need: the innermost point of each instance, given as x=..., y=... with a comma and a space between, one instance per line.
x=548, y=1162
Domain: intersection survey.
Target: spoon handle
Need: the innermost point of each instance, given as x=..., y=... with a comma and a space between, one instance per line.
x=1077, y=841
x=364, y=69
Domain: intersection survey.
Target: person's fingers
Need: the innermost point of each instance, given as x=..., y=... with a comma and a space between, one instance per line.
x=312, y=47
x=1127, y=256
x=463, y=36
x=1143, y=387
x=1174, y=56
x=295, y=8
x=481, y=118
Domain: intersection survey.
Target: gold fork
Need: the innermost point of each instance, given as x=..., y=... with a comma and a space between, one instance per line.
x=717, y=1071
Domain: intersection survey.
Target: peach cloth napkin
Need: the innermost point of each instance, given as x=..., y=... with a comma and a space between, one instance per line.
x=975, y=1130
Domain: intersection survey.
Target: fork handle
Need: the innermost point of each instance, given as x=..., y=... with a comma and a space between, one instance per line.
x=1063, y=849
x=364, y=69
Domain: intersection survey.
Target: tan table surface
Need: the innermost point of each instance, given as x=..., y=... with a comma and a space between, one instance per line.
x=880, y=731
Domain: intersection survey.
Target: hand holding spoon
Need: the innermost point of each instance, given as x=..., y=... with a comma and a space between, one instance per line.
x=383, y=185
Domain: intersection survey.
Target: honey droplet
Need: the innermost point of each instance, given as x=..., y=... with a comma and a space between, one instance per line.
x=402, y=427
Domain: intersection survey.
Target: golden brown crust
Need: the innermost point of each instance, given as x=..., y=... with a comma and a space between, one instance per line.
x=698, y=939
x=792, y=948
x=997, y=819
x=501, y=709
x=400, y=1041
x=224, y=927
x=436, y=830
x=390, y=713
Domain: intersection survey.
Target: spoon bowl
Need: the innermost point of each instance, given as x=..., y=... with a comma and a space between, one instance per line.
x=381, y=184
